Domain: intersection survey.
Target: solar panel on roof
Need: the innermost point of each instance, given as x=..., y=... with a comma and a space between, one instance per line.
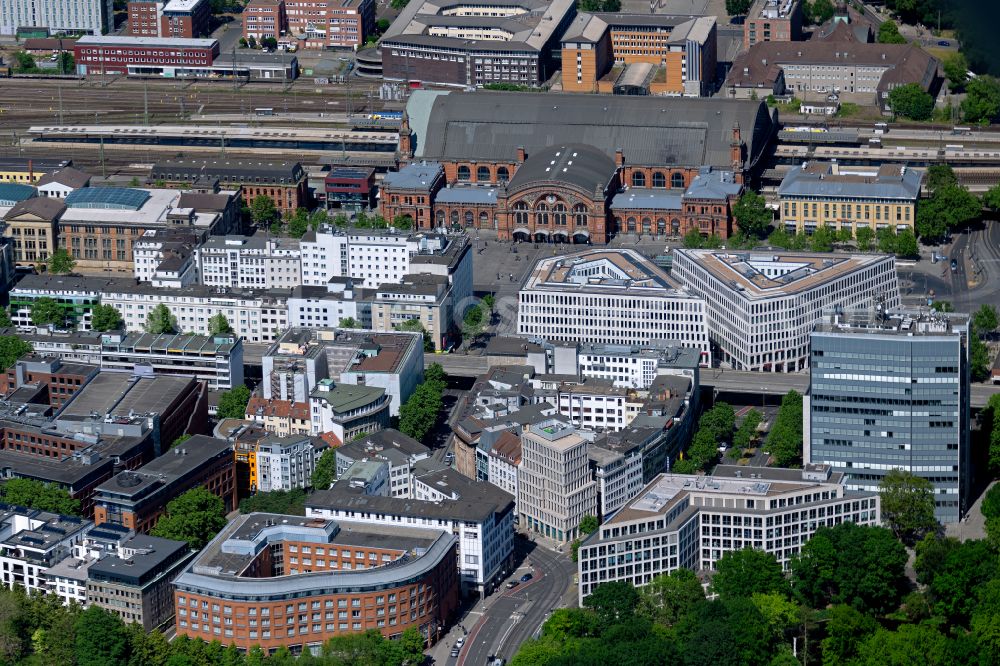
x=121, y=198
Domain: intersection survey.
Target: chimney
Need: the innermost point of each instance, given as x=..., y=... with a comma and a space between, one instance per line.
x=521, y=155
x=619, y=158
x=31, y=171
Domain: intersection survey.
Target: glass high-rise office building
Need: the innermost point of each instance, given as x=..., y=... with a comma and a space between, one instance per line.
x=891, y=390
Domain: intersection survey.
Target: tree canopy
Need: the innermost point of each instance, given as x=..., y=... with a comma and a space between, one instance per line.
x=287, y=502
x=888, y=33
x=907, y=505
x=738, y=7
x=11, y=349
x=420, y=413
x=263, y=212
x=325, y=471
x=784, y=441
x=60, y=262
x=105, y=318
x=984, y=320
x=194, y=516
x=45, y=311
x=911, y=101
x=233, y=403
x=161, y=320
x=743, y=573
x=219, y=325
x=35, y=494
x=752, y=215
x=982, y=100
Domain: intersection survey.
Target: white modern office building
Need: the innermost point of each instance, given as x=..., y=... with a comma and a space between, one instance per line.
x=249, y=262
x=92, y=17
x=375, y=257
x=285, y=463
x=691, y=521
x=762, y=306
x=608, y=296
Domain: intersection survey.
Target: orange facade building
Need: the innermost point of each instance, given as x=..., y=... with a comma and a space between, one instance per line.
x=640, y=54
x=288, y=581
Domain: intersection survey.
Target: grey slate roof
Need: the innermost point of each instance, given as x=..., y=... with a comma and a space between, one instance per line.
x=649, y=130
x=575, y=164
x=801, y=182
x=713, y=184
x=417, y=176
x=467, y=195
x=637, y=198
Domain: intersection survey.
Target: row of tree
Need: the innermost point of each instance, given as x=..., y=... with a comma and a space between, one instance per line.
x=38, y=630
x=420, y=413
x=980, y=105
x=784, y=440
x=34, y=494
x=715, y=427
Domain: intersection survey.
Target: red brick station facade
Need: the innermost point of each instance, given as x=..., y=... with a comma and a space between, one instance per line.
x=564, y=193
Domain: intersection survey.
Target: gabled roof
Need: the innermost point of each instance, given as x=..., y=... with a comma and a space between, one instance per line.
x=42, y=207
x=574, y=164
x=69, y=177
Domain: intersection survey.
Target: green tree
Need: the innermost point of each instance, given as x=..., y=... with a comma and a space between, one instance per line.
x=252, y=42
x=325, y=471
x=907, y=505
x=11, y=349
x=864, y=236
x=589, y=524
x=233, y=403
x=269, y=43
x=5, y=321
x=822, y=239
x=219, y=325
x=752, y=215
x=614, y=602
x=888, y=33
x=743, y=573
x=419, y=414
x=693, y=240
x=348, y=322
x=25, y=63
x=472, y=323
x=66, y=63
x=46, y=311
x=147, y=649
x=263, y=212
x=942, y=306
x=399, y=4
x=738, y=7
x=911, y=101
x=956, y=70
x=286, y=502
x=886, y=239
x=382, y=25
x=298, y=224
x=105, y=318
x=669, y=597
x=940, y=176
x=784, y=442
x=991, y=198
x=818, y=12
x=982, y=100
x=101, y=639
x=180, y=439
x=489, y=305
x=727, y=631
x=846, y=628
x=906, y=244
x=60, y=262
x=318, y=218
x=416, y=326
x=195, y=516
x=161, y=320
x=979, y=359
x=851, y=564
x=38, y=495
x=747, y=431
x=963, y=570
x=984, y=320
x=909, y=644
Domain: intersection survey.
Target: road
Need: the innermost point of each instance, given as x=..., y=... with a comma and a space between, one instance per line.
x=513, y=616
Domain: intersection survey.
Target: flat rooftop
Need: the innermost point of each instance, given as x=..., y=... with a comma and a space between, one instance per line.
x=906, y=322
x=759, y=275
x=602, y=271
x=121, y=394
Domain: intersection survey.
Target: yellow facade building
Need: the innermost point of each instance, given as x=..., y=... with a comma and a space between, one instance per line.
x=28, y=171
x=839, y=196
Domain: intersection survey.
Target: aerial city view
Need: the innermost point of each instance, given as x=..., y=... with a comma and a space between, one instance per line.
x=499, y=332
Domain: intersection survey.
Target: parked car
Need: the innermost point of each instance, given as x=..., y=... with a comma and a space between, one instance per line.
x=454, y=651
x=954, y=266
x=944, y=42
x=511, y=584
x=460, y=642
x=526, y=577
